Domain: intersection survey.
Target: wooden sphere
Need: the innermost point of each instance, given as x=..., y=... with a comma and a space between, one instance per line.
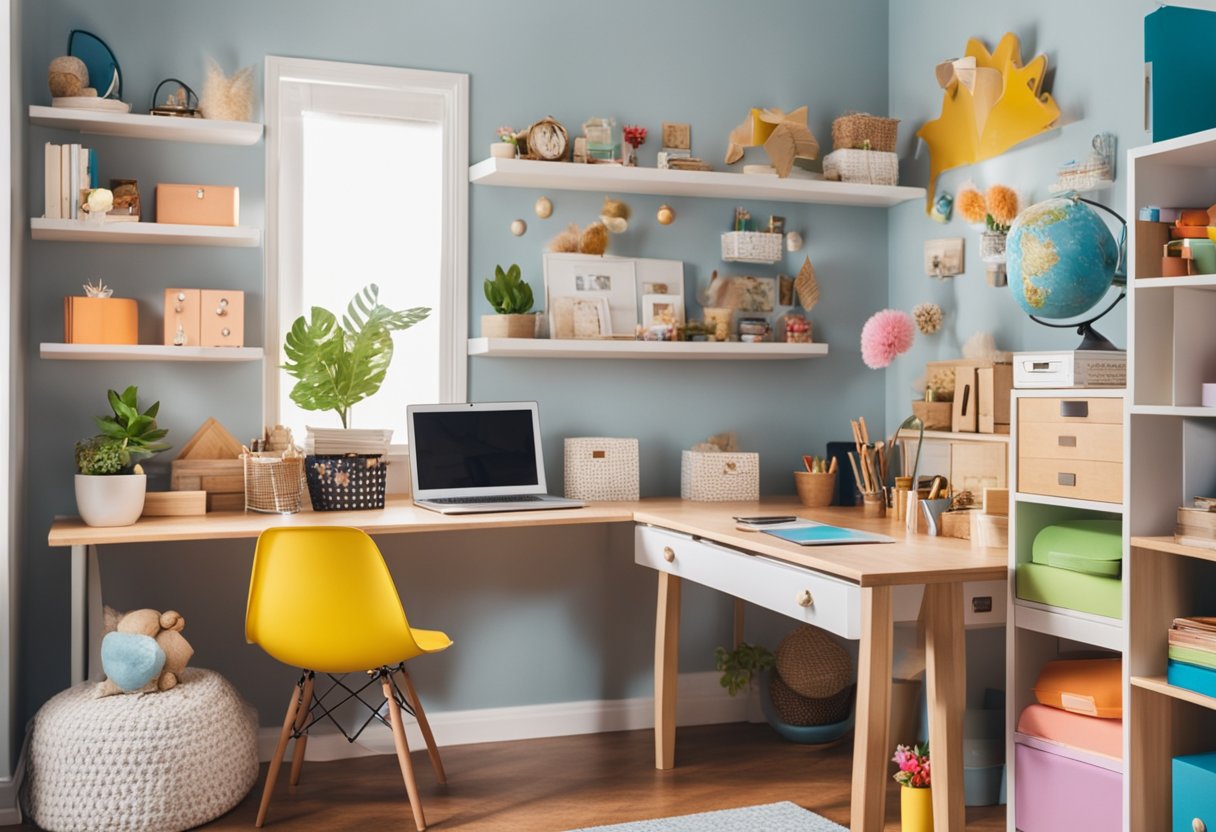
x=519, y=228
x=666, y=215
x=543, y=208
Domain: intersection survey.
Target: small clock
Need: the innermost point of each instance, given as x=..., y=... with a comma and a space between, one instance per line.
x=547, y=140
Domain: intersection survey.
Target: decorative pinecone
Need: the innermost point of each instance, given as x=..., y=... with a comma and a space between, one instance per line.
x=928, y=317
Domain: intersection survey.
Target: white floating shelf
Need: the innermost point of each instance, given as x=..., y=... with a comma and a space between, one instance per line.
x=1172, y=410
x=1069, y=502
x=146, y=352
x=568, y=176
x=1201, y=281
x=1070, y=624
x=649, y=350
x=146, y=233
x=132, y=126
x=952, y=436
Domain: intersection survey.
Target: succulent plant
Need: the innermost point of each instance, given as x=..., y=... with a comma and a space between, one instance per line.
x=508, y=293
x=127, y=435
x=101, y=455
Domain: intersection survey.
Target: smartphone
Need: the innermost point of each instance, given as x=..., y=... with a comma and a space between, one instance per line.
x=766, y=519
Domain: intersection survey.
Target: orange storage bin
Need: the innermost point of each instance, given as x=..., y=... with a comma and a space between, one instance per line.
x=198, y=204
x=1101, y=736
x=100, y=320
x=1093, y=687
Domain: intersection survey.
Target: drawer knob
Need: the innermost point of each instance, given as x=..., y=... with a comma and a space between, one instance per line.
x=669, y=554
x=805, y=599
x=225, y=332
x=1198, y=825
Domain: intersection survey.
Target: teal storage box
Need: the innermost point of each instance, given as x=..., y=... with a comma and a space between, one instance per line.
x=1094, y=547
x=1192, y=677
x=1194, y=792
x=1071, y=590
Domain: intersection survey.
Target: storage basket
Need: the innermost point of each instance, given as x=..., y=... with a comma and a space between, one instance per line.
x=601, y=468
x=853, y=130
x=869, y=167
x=815, y=490
x=274, y=484
x=751, y=247
x=346, y=482
x=718, y=476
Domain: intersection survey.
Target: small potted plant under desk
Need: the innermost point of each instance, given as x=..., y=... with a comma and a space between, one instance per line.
x=511, y=297
x=110, y=484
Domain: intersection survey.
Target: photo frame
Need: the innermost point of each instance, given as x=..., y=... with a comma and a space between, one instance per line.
x=660, y=277
x=589, y=277
x=743, y=293
x=662, y=309
x=578, y=316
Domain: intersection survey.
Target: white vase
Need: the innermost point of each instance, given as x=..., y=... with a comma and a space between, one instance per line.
x=502, y=150
x=110, y=499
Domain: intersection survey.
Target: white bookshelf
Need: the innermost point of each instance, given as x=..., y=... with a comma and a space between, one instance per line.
x=133, y=126
x=146, y=352
x=145, y=233
x=646, y=350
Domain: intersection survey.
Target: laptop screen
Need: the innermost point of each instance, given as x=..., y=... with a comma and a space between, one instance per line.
x=475, y=449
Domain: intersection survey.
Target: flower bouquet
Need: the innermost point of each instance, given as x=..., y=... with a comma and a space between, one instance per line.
x=915, y=799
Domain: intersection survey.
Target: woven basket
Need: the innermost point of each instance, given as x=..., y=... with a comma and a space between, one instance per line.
x=796, y=709
x=811, y=662
x=751, y=247
x=815, y=490
x=601, y=468
x=719, y=476
x=346, y=483
x=274, y=485
x=868, y=167
x=853, y=130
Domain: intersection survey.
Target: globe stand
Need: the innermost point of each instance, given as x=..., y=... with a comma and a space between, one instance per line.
x=1091, y=339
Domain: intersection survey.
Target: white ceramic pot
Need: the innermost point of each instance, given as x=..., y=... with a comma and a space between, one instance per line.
x=502, y=150
x=110, y=499
x=508, y=326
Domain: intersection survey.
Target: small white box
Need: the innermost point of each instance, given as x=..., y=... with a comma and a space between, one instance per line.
x=601, y=468
x=1072, y=368
x=719, y=476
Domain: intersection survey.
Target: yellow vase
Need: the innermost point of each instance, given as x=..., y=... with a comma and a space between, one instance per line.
x=916, y=809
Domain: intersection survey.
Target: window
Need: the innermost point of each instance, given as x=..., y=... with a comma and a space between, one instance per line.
x=366, y=183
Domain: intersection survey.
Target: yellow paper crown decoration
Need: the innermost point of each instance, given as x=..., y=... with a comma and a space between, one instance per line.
x=991, y=103
x=785, y=136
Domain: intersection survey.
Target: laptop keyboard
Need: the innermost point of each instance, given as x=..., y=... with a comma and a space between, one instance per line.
x=510, y=498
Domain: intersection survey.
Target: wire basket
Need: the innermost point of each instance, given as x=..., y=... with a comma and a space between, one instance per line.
x=346, y=482
x=273, y=484
x=870, y=167
x=854, y=130
x=751, y=247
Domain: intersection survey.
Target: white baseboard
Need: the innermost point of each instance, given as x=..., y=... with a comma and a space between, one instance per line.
x=10, y=791
x=702, y=701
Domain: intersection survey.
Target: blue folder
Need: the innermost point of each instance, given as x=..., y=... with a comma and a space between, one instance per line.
x=820, y=534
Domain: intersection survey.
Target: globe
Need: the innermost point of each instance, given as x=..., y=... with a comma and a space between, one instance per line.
x=1060, y=257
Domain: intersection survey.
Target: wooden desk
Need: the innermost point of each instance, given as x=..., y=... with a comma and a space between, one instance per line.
x=870, y=571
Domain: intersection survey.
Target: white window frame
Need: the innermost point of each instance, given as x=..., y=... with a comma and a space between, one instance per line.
x=449, y=93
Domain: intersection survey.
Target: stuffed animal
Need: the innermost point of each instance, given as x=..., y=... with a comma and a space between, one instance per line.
x=143, y=651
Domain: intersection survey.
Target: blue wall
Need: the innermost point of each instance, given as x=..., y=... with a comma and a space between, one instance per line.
x=528, y=611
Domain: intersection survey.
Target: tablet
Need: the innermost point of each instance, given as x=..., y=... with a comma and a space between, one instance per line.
x=809, y=533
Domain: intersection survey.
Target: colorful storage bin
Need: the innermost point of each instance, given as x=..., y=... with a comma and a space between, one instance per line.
x=1093, y=687
x=1192, y=677
x=1194, y=792
x=1088, y=733
x=1071, y=590
x=1092, y=547
x=1059, y=789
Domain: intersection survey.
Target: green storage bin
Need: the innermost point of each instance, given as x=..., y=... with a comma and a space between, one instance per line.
x=1071, y=590
x=1093, y=547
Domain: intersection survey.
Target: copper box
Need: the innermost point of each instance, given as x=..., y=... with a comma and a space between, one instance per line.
x=100, y=321
x=182, y=317
x=222, y=318
x=198, y=204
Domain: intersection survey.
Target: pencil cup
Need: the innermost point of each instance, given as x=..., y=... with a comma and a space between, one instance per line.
x=815, y=490
x=873, y=505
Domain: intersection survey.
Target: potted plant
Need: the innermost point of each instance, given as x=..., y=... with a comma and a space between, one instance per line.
x=110, y=484
x=916, y=796
x=511, y=297
x=507, y=146
x=741, y=668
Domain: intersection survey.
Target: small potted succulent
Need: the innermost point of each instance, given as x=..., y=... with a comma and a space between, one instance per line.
x=507, y=145
x=511, y=297
x=110, y=484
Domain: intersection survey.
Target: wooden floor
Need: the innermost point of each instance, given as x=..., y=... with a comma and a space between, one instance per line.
x=557, y=784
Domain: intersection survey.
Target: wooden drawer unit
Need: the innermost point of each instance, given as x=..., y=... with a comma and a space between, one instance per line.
x=1071, y=447
x=803, y=594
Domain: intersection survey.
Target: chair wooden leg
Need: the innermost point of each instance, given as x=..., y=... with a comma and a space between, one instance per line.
x=272, y=773
x=297, y=753
x=431, y=749
x=403, y=755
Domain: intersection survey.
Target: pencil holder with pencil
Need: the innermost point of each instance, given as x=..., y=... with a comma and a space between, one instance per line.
x=815, y=490
x=870, y=470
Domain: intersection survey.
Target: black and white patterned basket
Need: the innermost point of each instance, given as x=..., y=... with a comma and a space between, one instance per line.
x=346, y=482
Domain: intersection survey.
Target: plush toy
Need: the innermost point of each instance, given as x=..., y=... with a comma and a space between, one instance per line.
x=143, y=651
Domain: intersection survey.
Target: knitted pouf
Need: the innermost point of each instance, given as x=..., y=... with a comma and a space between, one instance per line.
x=141, y=762
x=813, y=664
x=795, y=709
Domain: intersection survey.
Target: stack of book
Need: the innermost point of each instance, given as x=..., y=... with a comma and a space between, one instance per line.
x=69, y=170
x=328, y=441
x=1197, y=524
x=1192, y=654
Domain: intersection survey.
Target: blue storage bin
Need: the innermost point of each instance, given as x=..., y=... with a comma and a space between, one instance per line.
x=1194, y=792
x=1192, y=677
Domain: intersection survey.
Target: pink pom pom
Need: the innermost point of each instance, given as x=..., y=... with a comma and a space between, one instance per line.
x=886, y=335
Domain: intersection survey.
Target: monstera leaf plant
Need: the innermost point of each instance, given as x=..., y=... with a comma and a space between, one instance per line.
x=337, y=364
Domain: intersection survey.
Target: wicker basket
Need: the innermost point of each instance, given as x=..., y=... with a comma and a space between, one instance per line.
x=853, y=130
x=719, y=476
x=815, y=490
x=346, y=482
x=751, y=247
x=601, y=468
x=273, y=484
x=868, y=167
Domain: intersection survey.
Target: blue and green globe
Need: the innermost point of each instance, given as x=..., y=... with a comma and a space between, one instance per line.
x=1060, y=257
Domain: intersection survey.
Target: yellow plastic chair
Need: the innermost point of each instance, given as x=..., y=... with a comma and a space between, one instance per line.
x=322, y=599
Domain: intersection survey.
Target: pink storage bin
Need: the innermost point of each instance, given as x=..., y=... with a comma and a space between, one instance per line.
x=1060, y=789
x=1101, y=736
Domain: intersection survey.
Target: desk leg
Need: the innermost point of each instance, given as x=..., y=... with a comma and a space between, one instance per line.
x=871, y=745
x=946, y=677
x=79, y=601
x=666, y=670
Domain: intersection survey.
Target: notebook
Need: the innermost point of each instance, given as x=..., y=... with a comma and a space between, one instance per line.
x=478, y=457
x=810, y=533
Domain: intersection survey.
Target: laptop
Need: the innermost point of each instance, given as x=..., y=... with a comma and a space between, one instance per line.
x=478, y=457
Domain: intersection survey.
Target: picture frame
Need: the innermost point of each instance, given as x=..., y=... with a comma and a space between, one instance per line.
x=579, y=317
x=588, y=277
x=662, y=309
x=660, y=277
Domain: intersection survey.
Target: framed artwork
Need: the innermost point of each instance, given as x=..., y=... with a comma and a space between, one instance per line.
x=662, y=309
x=589, y=277
x=576, y=316
x=660, y=277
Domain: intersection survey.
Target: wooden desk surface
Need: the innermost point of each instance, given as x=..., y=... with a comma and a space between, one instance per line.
x=913, y=559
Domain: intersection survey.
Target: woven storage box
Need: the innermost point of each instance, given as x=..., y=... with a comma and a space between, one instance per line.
x=853, y=130
x=347, y=482
x=273, y=484
x=868, y=167
x=601, y=468
x=719, y=476
x=751, y=247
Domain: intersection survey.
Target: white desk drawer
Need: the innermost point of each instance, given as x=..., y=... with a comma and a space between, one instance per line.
x=803, y=594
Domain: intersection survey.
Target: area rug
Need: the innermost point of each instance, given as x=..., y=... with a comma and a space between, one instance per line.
x=771, y=817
